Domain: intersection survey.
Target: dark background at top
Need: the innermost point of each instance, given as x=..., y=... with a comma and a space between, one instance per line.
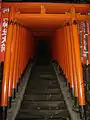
x=54, y=1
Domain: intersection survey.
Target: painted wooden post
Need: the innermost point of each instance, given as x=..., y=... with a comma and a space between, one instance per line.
x=5, y=82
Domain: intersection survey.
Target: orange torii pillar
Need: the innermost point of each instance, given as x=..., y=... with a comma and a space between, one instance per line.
x=13, y=48
x=65, y=63
x=15, y=65
x=18, y=57
x=5, y=82
x=74, y=70
x=69, y=54
x=64, y=60
x=70, y=63
x=21, y=51
x=67, y=59
x=78, y=65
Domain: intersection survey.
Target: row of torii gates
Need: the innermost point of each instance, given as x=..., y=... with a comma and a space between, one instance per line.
x=69, y=28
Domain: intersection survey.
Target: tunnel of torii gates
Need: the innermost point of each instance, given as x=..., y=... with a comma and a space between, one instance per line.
x=68, y=26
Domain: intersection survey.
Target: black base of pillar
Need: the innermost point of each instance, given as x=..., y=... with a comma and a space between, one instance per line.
x=19, y=81
x=13, y=93
x=9, y=102
x=17, y=87
x=76, y=106
x=66, y=81
x=76, y=101
x=3, y=113
x=61, y=71
x=72, y=93
x=82, y=112
x=69, y=87
x=53, y=61
x=0, y=112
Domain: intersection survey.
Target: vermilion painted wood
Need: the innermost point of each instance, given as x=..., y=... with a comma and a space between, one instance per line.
x=35, y=7
x=13, y=48
x=81, y=92
x=65, y=42
x=5, y=82
x=15, y=60
x=73, y=63
x=70, y=57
